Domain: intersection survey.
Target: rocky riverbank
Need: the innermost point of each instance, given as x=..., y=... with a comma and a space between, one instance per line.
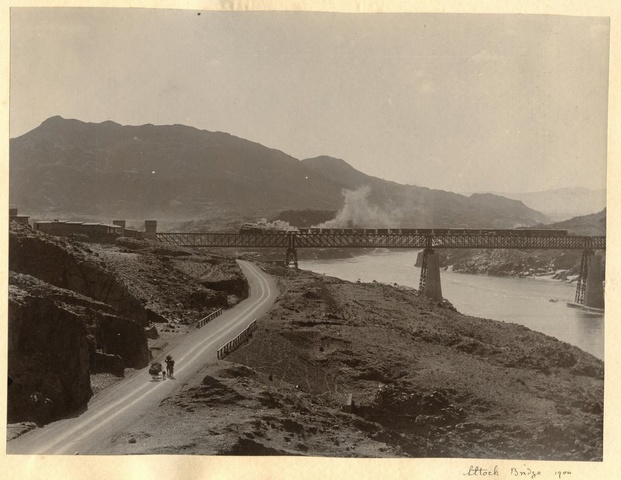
x=560, y=264
x=557, y=264
x=424, y=380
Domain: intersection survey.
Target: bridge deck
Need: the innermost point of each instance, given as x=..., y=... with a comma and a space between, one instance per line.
x=382, y=240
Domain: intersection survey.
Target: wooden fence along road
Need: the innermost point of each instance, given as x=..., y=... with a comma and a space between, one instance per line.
x=204, y=321
x=231, y=346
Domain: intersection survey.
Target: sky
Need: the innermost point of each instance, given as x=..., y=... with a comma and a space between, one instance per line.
x=458, y=102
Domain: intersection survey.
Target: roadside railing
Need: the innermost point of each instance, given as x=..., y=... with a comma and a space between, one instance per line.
x=204, y=321
x=231, y=346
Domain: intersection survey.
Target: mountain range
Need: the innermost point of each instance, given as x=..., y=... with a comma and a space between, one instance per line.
x=73, y=168
x=562, y=203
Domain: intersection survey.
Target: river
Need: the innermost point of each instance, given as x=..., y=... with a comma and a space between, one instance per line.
x=537, y=303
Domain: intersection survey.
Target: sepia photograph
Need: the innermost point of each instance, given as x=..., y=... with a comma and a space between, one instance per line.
x=308, y=233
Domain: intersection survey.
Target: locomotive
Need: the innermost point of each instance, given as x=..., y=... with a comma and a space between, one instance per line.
x=265, y=228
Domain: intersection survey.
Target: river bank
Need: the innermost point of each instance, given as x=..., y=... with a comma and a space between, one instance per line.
x=436, y=382
x=539, y=303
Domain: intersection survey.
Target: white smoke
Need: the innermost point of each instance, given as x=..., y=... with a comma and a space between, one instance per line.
x=358, y=212
x=274, y=225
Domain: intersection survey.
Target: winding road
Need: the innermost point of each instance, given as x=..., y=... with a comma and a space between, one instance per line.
x=123, y=403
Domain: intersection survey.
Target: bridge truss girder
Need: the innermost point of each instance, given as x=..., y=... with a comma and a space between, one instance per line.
x=375, y=240
x=293, y=241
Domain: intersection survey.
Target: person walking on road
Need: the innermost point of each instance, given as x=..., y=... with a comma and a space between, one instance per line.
x=170, y=366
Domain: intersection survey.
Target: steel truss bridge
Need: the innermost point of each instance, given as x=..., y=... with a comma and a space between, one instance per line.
x=383, y=240
x=291, y=241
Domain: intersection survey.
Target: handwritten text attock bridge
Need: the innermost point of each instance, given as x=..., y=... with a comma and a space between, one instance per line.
x=589, y=291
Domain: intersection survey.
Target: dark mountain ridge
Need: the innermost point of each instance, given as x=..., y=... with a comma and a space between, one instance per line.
x=70, y=167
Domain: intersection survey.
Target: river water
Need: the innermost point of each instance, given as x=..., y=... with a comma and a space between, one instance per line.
x=539, y=304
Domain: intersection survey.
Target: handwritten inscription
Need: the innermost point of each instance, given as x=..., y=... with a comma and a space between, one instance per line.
x=476, y=471
x=524, y=472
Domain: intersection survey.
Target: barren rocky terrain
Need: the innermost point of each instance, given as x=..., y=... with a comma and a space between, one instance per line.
x=425, y=381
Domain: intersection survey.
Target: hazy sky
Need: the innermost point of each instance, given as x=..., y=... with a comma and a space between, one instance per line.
x=458, y=102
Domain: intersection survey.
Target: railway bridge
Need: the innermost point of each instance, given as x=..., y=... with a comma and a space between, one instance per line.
x=589, y=290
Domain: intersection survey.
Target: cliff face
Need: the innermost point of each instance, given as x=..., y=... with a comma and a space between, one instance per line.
x=77, y=309
x=48, y=359
x=56, y=339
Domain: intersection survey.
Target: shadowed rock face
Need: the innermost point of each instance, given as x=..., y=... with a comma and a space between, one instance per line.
x=56, y=339
x=48, y=359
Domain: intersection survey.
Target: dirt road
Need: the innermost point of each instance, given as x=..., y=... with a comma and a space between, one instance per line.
x=124, y=403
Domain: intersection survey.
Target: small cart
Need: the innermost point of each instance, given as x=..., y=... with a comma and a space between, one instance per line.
x=155, y=370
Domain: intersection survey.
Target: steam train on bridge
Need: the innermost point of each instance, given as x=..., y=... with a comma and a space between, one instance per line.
x=259, y=228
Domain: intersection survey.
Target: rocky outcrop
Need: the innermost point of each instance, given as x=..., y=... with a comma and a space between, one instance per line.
x=95, y=305
x=226, y=280
x=70, y=265
x=56, y=339
x=48, y=359
x=119, y=336
x=105, y=362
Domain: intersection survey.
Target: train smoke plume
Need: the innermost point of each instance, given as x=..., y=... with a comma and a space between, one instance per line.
x=358, y=212
x=280, y=225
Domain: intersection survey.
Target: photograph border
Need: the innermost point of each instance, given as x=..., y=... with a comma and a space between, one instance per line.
x=199, y=467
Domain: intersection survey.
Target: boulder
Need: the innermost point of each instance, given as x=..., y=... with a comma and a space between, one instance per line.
x=151, y=332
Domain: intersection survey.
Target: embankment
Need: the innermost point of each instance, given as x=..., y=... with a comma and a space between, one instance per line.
x=435, y=382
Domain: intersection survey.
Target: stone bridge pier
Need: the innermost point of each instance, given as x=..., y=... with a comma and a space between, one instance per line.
x=429, y=284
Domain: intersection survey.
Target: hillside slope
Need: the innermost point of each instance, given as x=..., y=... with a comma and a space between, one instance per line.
x=410, y=205
x=426, y=381
x=563, y=203
x=72, y=168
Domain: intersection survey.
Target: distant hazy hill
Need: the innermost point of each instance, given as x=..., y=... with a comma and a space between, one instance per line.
x=69, y=167
x=424, y=207
x=563, y=203
x=594, y=224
